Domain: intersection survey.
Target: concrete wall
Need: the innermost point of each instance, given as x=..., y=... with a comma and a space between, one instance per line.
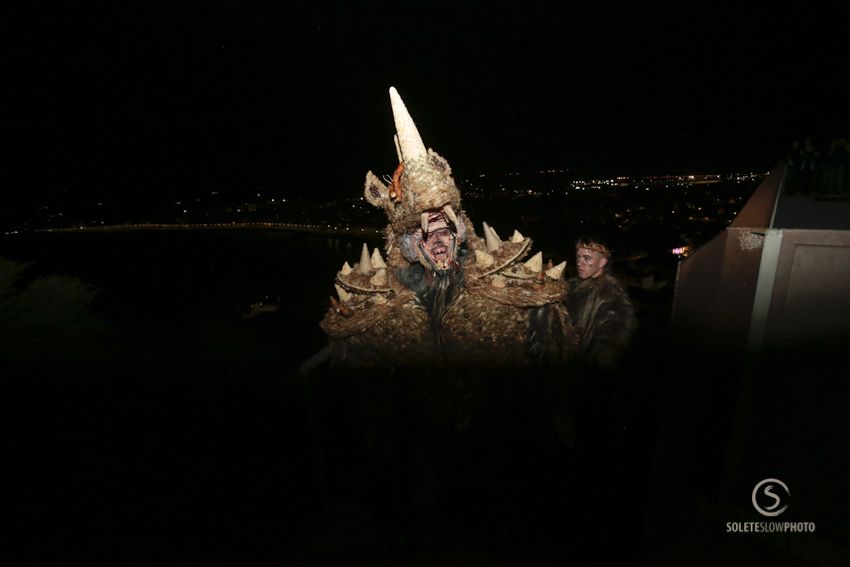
x=803, y=289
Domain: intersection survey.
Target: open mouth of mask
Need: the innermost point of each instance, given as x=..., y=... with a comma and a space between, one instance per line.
x=438, y=237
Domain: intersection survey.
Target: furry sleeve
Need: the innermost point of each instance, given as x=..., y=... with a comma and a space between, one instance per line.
x=613, y=327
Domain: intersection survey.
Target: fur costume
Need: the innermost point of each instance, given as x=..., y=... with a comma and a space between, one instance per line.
x=604, y=318
x=443, y=296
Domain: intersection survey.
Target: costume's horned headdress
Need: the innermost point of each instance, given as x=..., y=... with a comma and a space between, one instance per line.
x=421, y=197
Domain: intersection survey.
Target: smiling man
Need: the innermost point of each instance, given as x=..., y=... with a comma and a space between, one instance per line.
x=599, y=306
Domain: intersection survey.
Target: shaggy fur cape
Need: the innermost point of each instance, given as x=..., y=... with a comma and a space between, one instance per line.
x=604, y=318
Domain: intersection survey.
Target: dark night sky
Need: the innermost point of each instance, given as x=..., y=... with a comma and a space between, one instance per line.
x=133, y=101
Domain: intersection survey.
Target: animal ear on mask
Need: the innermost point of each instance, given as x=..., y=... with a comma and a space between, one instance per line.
x=375, y=191
x=438, y=162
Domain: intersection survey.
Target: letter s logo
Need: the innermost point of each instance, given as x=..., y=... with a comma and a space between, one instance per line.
x=776, y=500
x=769, y=484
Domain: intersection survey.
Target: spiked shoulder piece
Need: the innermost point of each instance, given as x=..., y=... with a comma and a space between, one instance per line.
x=500, y=272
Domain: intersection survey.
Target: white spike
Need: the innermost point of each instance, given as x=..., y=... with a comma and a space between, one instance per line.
x=346, y=269
x=379, y=279
x=377, y=260
x=365, y=265
x=491, y=238
x=450, y=212
x=535, y=264
x=483, y=259
x=409, y=141
x=556, y=272
x=342, y=294
x=495, y=234
x=517, y=236
x=423, y=220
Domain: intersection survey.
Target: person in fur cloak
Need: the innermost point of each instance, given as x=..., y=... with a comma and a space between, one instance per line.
x=600, y=307
x=440, y=294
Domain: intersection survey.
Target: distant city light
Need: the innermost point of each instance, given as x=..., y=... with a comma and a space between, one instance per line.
x=696, y=194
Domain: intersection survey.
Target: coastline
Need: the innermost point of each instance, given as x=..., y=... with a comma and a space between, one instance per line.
x=290, y=227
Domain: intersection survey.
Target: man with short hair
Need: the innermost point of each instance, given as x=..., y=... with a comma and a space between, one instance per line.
x=604, y=319
x=599, y=306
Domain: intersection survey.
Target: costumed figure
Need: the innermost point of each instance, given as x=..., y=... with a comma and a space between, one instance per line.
x=599, y=306
x=440, y=295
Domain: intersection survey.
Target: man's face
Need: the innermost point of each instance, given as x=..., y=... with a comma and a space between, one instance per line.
x=439, y=247
x=438, y=244
x=589, y=263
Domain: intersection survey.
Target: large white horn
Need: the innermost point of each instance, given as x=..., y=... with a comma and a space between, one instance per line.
x=409, y=141
x=423, y=221
x=346, y=269
x=365, y=265
x=517, y=236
